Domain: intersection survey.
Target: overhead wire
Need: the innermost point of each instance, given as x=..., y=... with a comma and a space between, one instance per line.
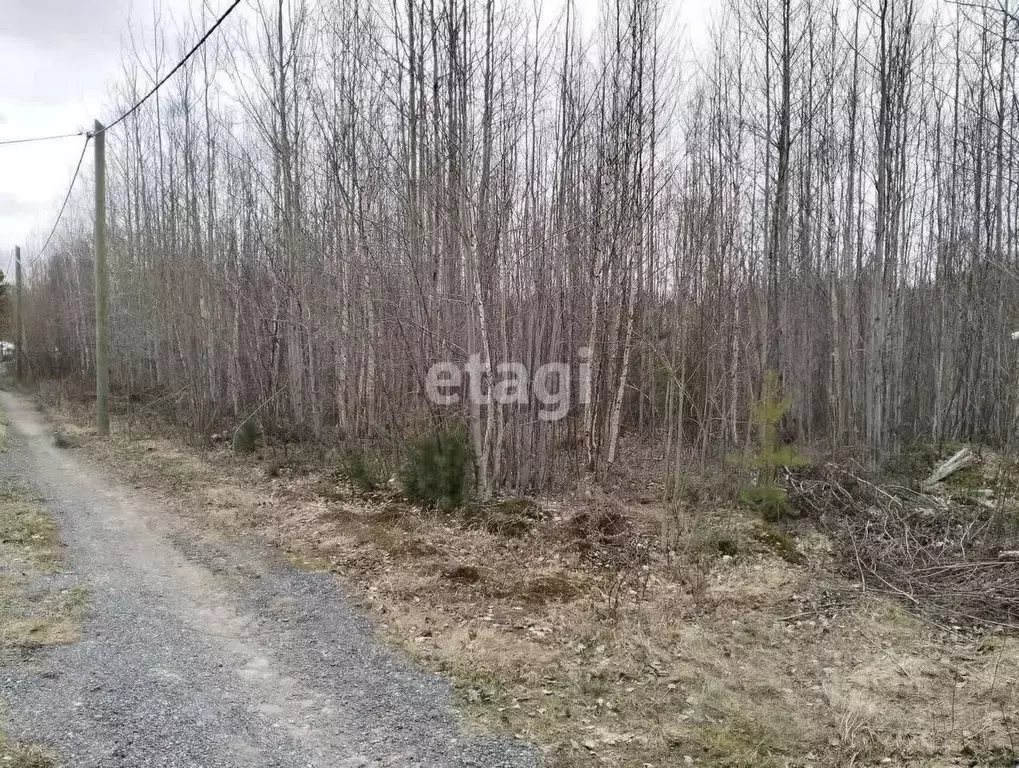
x=173, y=71
x=90, y=134
x=33, y=139
x=63, y=205
x=194, y=49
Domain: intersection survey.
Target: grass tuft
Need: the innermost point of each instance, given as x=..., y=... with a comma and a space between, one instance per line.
x=506, y=517
x=38, y=633
x=28, y=529
x=17, y=755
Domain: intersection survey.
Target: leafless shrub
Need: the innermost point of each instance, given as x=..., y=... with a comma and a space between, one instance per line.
x=939, y=555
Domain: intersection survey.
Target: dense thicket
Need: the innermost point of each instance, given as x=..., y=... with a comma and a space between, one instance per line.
x=336, y=195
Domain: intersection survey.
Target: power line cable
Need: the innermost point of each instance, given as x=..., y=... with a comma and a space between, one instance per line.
x=173, y=71
x=89, y=134
x=32, y=139
x=146, y=97
x=63, y=206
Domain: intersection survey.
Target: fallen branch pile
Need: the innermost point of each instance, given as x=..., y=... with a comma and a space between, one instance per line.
x=937, y=553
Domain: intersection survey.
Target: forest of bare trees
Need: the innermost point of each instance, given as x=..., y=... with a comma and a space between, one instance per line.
x=334, y=195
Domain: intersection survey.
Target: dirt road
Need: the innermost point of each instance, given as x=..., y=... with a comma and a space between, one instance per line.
x=210, y=653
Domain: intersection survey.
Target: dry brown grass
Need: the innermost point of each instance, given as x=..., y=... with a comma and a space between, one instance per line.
x=733, y=645
x=53, y=619
x=39, y=632
x=30, y=545
x=28, y=535
x=17, y=755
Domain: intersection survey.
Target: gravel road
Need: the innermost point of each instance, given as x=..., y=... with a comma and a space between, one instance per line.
x=211, y=653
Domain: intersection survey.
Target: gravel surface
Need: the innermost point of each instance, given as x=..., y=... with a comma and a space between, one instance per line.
x=205, y=653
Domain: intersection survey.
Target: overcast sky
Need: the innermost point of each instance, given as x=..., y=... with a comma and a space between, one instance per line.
x=59, y=62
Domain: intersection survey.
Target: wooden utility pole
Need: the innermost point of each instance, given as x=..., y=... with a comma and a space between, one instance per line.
x=102, y=288
x=17, y=315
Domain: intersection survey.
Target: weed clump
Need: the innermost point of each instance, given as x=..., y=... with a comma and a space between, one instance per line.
x=25, y=755
x=780, y=542
x=603, y=529
x=246, y=437
x=727, y=546
x=546, y=588
x=505, y=517
x=439, y=470
x=910, y=465
x=61, y=440
x=365, y=471
x=468, y=574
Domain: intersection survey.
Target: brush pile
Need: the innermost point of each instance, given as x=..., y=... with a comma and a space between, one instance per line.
x=950, y=555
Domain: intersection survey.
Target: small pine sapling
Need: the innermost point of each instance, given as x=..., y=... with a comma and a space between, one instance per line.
x=439, y=467
x=365, y=471
x=767, y=496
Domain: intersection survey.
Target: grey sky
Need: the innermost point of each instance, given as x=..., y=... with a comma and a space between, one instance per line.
x=59, y=61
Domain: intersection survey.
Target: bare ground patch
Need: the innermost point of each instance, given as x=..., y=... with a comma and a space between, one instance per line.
x=732, y=646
